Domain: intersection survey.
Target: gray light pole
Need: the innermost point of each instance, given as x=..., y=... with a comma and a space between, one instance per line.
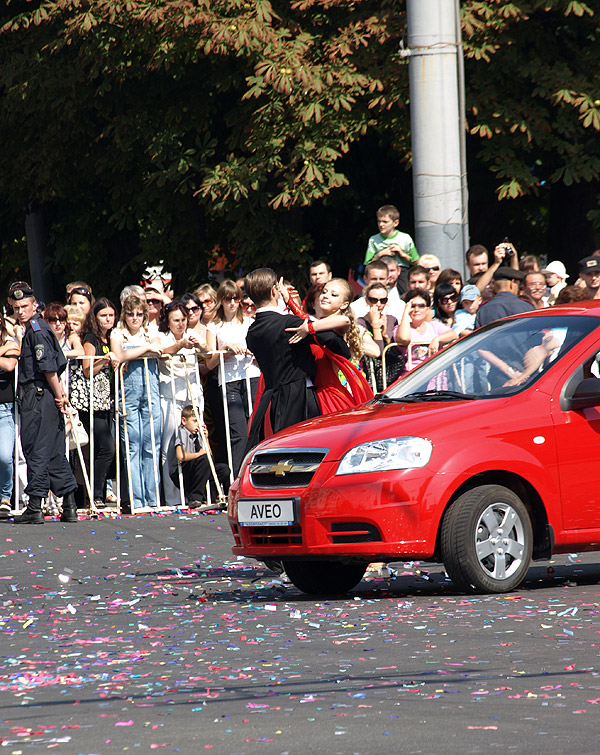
x=437, y=129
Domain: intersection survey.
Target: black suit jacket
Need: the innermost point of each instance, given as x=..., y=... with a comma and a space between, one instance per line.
x=285, y=368
x=280, y=362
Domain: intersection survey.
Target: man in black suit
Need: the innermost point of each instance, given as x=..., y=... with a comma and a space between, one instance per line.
x=288, y=369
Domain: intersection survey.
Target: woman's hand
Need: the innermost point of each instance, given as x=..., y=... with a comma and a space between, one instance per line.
x=299, y=333
x=285, y=294
x=434, y=346
x=235, y=348
x=153, y=350
x=195, y=342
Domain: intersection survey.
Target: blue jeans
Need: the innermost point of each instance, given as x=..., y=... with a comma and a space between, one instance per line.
x=7, y=449
x=141, y=453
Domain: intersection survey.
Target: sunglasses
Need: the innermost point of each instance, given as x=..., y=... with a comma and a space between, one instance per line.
x=235, y=299
x=373, y=300
x=56, y=320
x=433, y=267
x=248, y=305
x=193, y=309
x=419, y=306
x=156, y=302
x=206, y=301
x=80, y=290
x=449, y=299
x=137, y=315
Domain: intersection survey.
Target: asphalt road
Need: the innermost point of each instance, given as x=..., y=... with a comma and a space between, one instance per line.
x=143, y=634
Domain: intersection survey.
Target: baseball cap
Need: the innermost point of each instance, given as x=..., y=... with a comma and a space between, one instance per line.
x=556, y=267
x=469, y=292
x=589, y=264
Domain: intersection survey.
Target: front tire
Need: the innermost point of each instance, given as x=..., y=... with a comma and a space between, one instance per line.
x=487, y=540
x=323, y=577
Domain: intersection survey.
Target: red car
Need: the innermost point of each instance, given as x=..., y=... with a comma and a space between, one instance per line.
x=484, y=457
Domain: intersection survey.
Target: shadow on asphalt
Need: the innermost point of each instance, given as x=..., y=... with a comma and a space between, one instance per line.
x=224, y=690
x=265, y=586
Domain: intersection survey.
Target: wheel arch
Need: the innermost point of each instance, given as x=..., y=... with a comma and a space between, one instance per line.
x=543, y=536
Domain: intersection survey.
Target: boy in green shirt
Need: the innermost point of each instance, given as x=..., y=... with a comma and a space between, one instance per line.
x=390, y=240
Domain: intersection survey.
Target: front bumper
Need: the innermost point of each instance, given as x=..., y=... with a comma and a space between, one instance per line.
x=373, y=516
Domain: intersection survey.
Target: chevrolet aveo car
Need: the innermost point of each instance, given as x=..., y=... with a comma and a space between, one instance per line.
x=484, y=457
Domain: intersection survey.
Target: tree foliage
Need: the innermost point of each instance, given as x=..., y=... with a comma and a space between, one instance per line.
x=534, y=91
x=169, y=128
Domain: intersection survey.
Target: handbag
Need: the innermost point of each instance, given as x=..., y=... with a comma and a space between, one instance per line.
x=77, y=434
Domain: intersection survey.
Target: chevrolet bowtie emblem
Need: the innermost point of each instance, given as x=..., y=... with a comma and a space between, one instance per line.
x=281, y=468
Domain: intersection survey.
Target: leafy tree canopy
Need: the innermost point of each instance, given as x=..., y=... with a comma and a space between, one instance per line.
x=165, y=128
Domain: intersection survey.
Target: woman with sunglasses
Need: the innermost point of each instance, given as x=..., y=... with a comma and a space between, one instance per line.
x=96, y=343
x=207, y=296
x=381, y=328
x=227, y=333
x=156, y=301
x=418, y=336
x=81, y=297
x=130, y=341
x=56, y=316
x=72, y=378
x=379, y=325
x=194, y=308
x=445, y=303
x=178, y=383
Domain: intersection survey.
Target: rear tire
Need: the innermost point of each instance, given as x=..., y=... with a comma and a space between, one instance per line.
x=323, y=577
x=487, y=540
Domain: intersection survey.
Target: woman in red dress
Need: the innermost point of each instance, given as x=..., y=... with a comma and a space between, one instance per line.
x=336, y=339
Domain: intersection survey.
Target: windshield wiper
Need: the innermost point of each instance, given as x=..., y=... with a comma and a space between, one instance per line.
x=435, y=395
x=385, y=399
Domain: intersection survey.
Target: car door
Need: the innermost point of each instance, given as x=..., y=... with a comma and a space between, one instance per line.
x=578, y=449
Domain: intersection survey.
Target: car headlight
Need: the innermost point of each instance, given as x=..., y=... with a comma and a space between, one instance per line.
x=388, y=453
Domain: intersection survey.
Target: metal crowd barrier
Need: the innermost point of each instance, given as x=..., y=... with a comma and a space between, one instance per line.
x=119, y=413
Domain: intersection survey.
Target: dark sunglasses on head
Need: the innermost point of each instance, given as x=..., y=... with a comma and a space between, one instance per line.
x=79, y=290
x=373, y=300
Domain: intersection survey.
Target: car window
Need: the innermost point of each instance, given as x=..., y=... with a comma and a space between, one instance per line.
x=501, y=359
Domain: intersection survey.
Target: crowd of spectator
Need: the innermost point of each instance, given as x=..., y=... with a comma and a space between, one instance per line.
x=186, y=381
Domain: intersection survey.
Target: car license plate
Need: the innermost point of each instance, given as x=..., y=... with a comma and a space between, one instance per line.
x=263, y=512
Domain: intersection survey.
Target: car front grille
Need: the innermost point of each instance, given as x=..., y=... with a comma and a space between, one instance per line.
x=288, y=468
x=291, y=535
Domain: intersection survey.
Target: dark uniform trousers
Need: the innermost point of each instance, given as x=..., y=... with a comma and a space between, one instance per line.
x=43, y=443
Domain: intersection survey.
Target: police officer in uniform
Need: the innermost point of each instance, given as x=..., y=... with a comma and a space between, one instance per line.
x=505, y=302
x=43, y=404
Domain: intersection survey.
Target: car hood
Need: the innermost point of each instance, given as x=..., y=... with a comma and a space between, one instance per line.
x=341, y=431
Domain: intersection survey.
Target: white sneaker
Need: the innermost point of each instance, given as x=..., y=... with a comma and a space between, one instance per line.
x=5, y=512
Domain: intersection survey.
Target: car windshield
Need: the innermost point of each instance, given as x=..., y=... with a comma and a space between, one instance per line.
x=501, y=359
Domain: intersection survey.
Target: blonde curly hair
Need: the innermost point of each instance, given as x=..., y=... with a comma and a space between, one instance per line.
x=353, y=335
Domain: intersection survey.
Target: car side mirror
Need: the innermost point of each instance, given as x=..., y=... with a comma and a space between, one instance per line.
x=585, y=395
